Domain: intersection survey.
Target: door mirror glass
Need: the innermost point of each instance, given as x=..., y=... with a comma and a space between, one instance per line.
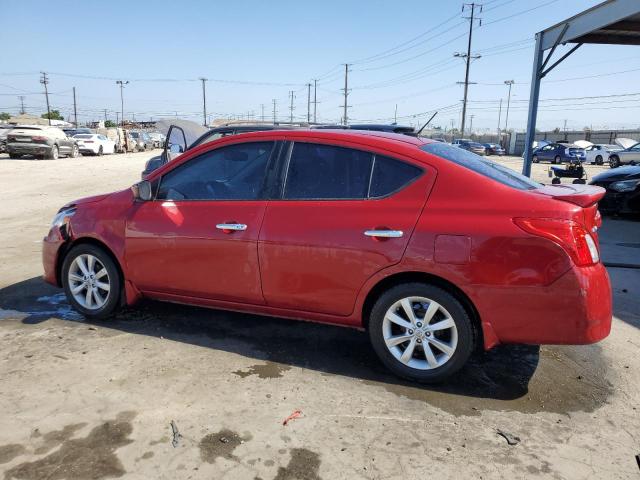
x=175, y=148
x=142, y=191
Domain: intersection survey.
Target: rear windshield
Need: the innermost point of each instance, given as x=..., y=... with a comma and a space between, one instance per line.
x=480, y=165
x=83, y=135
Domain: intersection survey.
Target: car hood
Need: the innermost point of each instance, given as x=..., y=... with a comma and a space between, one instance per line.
x=621, y=173
x=86, y=200
x=625, y=142
x=582, y=143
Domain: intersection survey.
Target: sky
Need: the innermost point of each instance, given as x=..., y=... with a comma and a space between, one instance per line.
x=252, y=52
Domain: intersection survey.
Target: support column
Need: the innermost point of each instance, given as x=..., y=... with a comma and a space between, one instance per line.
x=533, y=106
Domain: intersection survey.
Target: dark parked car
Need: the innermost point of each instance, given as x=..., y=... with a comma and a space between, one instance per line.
x=143, y=140
x=558, y=153
x=372, y=127
x=41, y=142
x=180, y=139
x=494, y=149
x=623, y=190
x=470, y=146
x=70, y=132
x=4, y=131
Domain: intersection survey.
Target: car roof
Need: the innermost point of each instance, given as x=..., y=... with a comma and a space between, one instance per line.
x=346, y=135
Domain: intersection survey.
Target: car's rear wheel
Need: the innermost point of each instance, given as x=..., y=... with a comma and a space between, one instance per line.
x=54, y=153
x=614, y=161
x=91, y=281
x=421, y=332
x=14, y=156
x=557, y=159
x=75, y=152
x=599, y=160
x=534, y=159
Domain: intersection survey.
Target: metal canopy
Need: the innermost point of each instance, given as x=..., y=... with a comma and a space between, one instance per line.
x=614, y=22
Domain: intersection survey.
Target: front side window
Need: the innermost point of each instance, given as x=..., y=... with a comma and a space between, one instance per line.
x=327, y=172
x=235, y=172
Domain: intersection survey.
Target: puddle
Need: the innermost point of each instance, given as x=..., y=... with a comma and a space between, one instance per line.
x=265, y=370
x=304, y=465
x=90, y=457
x=54, y=438
x=220, y=445
x=11, y=451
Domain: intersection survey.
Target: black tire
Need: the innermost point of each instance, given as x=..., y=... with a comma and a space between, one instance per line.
x=534, y=159
x=557, y=159
x=100, y=151
x=75, y=152
x=115, y=291
x=599, y=160
x=55, y=153
x=464, y=326
x=614, y=161
x=14, y=156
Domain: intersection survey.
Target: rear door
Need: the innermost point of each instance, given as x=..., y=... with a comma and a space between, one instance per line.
x=343, y=214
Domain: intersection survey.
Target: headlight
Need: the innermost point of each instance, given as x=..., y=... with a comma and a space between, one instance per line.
x=625, y=185
x=63, y=216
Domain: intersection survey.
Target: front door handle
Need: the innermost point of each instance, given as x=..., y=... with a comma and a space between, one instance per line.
x=231, y=227
x=384, y=233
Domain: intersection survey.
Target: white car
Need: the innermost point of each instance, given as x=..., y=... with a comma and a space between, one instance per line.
x=95, y=144
x=599, y=154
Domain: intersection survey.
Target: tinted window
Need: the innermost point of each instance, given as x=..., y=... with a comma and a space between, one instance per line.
x=481, y=165
x=235, y=172
x=327, y=172
x=390, y=175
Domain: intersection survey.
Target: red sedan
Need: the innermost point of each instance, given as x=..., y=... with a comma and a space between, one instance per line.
x=431, y=248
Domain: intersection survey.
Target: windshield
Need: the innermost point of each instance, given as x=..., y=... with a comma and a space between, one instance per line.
x=134, y=134
x=481, y=165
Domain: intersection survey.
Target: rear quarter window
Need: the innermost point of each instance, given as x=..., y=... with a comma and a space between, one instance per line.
x=478, y=164
x=390, y=175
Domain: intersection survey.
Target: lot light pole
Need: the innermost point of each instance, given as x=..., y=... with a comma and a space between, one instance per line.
x=291, y=107
x=122, y=84
x=506, y=121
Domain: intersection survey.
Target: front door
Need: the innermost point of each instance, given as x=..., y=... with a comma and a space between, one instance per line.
x=198, y=237
x=344, y=215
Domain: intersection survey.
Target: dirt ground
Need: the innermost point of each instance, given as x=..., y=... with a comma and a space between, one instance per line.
x=173, y=392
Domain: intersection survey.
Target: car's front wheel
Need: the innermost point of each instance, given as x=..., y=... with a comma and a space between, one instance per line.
x=614, y=161
x=534, y=159
x=91, y=281
x=421, y=332
x=557, y=159
x=55, y=153
x=599, y=160
x=100, y=151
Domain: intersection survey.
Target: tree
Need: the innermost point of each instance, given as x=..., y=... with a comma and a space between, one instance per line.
x=4, y=116
x=109, y=123
x=55, y=115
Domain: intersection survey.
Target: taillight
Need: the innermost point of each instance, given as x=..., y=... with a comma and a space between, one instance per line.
x=39, y=139
x=571, y=236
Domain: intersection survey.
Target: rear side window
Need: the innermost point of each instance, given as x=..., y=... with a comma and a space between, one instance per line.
x=480, y=165
x=390, y=175
x=327, y=172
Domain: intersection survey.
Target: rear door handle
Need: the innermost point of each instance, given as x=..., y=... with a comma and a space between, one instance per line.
x=231, y=226
x=384, y=233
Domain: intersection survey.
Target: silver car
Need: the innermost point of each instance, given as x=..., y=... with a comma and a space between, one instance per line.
x=628, y=156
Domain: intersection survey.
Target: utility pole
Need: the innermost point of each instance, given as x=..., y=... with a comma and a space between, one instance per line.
x=45, y=81
x=395, y=116
x=122, y=84
x=308, y=103
x=499, y=115
x=471, y=124
x=291, y=107
x=315, y=101
x=345, y=117
x=117, y=118
x=262, y=112
x=21, y=97
x=204, y=101
x=274, y=110
x=75, y=109
x=506, y=122
x=105, y=115
x=468, y=57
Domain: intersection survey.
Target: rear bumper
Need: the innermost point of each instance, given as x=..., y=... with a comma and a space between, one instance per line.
x=51, y=247
x=575, y=309
x=28, y=148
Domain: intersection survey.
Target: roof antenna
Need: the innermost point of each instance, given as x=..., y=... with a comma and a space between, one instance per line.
x=424, y=126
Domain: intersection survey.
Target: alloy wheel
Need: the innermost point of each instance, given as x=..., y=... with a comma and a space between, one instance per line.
x=420, y=333
x=89, y=281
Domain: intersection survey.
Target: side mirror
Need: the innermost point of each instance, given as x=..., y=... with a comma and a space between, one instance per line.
x=175, y=148
x=142, y=191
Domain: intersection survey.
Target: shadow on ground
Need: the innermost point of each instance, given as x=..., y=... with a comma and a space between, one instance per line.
x=522, y=378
